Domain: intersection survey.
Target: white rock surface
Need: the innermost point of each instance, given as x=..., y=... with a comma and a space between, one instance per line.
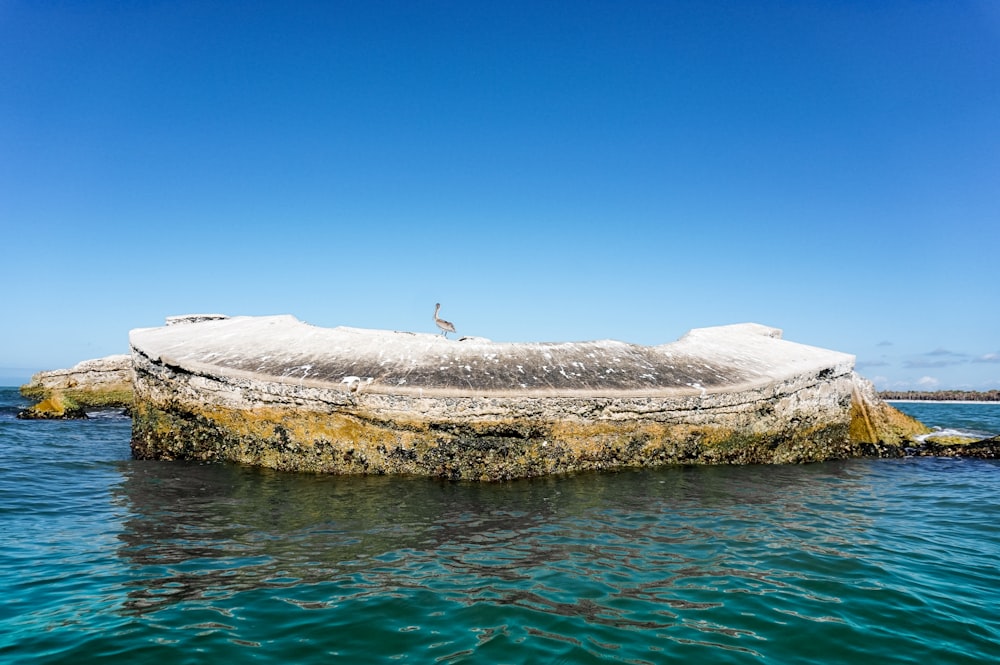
x=285, y=350
x=115, y=370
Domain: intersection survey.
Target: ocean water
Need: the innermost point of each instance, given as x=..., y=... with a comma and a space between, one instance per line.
x=977, y=418
x=105, y=559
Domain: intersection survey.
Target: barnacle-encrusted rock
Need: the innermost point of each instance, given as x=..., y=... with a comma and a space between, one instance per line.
x=276, y=392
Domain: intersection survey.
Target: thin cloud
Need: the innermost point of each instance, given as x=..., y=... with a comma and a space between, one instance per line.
x=931, y=364
x=936, y=359
x=884, y=342
x=946, y=353
x=927, y=382
x=988, y=358
x=867, y=364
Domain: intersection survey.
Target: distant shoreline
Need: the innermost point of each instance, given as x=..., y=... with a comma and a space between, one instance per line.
x=981, y=397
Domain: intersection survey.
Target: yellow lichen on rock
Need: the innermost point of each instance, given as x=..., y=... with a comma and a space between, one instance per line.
x=950, y=439
x=56, y=406
x=875, y=421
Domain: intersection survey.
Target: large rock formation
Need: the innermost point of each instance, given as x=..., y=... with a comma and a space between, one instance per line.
x=66, y=393
x=276, y=392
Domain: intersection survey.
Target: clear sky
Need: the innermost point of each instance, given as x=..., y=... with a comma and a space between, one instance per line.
x=548, y=171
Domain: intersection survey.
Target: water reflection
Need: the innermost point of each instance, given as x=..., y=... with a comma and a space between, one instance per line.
x=582, y=568
x=668, y=537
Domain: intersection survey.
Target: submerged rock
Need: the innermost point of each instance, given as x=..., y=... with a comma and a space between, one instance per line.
x=275, y=392
x=54, y=407
x=955, y=446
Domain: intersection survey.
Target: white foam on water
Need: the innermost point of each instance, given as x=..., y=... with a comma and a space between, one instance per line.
x=966, y=433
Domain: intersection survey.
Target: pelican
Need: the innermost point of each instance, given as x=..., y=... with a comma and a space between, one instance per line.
x=445, y=326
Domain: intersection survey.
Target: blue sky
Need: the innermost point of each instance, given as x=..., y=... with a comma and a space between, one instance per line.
x=545, y=170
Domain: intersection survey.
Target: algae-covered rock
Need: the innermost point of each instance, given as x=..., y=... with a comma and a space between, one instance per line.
x=958, y=446
x=949, y=439
x=54, y=407
x=874, y=421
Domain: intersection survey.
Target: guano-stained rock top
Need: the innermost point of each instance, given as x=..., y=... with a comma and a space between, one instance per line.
x=286, y=350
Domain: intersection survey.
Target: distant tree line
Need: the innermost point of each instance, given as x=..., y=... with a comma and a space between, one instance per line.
x=944, y=395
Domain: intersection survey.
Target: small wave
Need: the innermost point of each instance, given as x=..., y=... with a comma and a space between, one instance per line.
x=108, y=414
x=8, y=412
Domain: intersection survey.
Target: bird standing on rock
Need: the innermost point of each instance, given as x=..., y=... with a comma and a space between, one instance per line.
x=445, y=326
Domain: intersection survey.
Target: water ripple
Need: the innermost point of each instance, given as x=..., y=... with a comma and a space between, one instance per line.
x=107, y=559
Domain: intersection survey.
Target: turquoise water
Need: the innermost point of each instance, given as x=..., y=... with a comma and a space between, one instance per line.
x=966, y=417
x=106, y=559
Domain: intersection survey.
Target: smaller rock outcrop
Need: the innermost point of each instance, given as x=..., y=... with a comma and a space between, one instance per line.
x=99, y=383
